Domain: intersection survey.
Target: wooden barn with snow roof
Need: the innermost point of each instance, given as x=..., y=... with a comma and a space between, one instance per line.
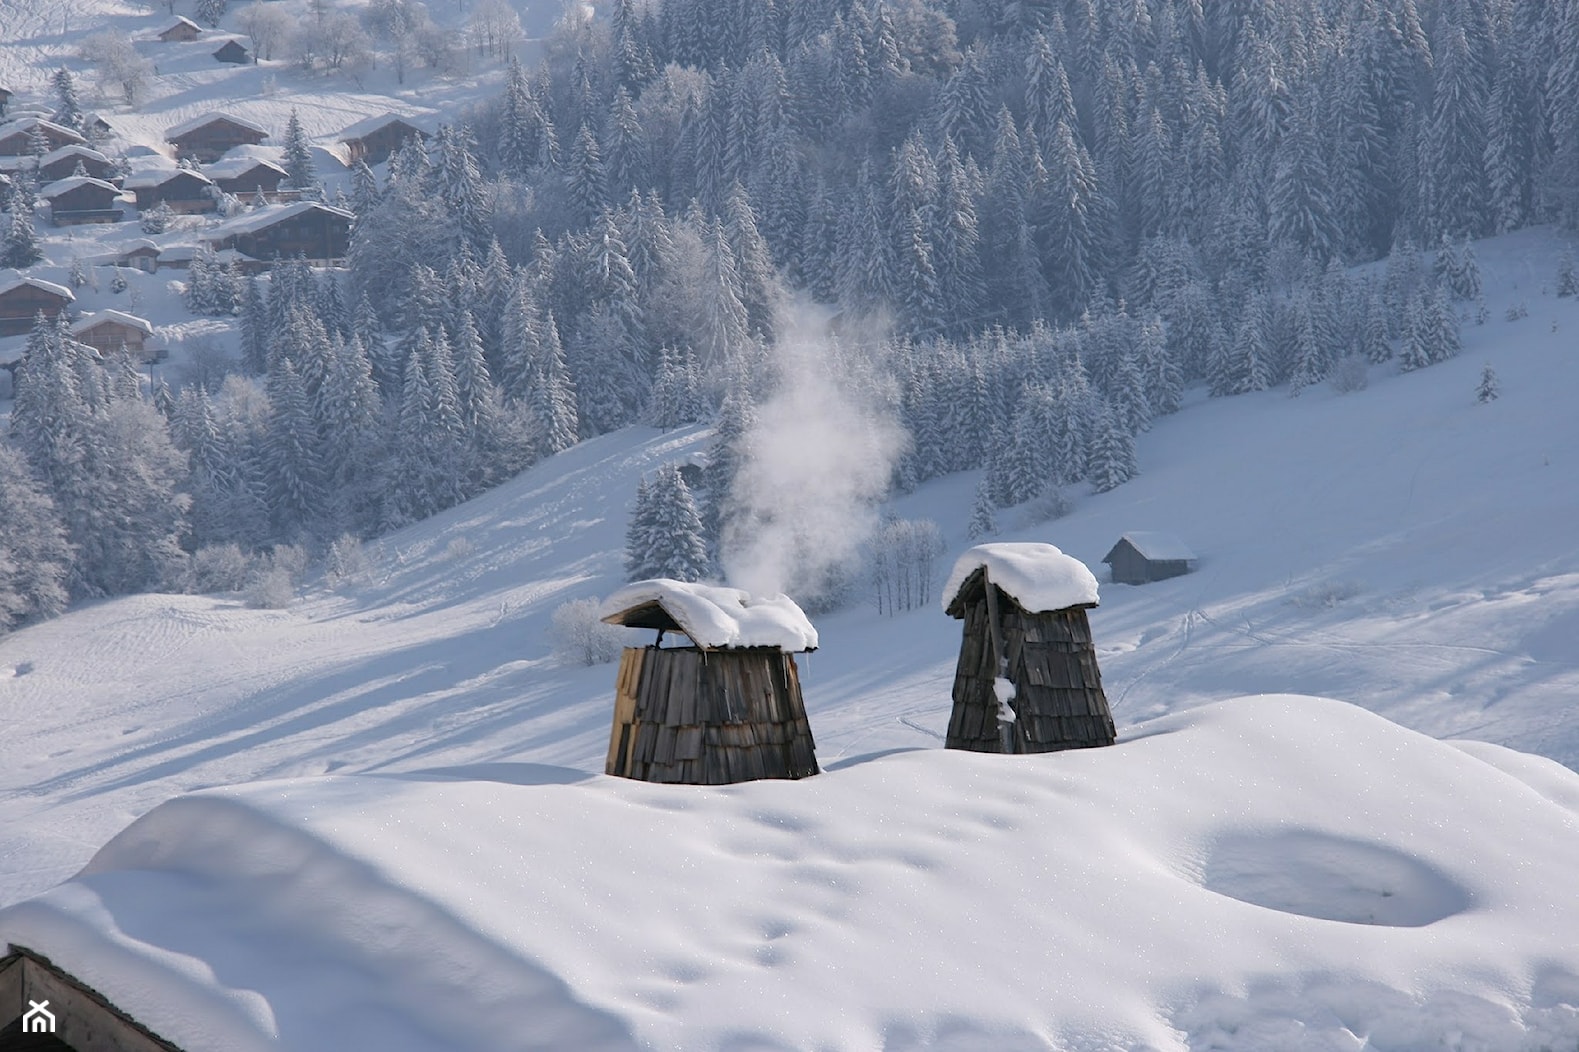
x=728, y=707
x=1027, y=678
x=1147, y=555
x=206, y=138
x=23, y=298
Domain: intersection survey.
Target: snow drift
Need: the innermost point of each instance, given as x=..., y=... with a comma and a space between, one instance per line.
x=1274, y=872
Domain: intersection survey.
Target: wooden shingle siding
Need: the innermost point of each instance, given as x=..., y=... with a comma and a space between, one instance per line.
x=1059, y=702
x=709, y=717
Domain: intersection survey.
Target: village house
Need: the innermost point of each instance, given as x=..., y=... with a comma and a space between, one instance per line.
x=107, y=331
x=23, y=298
x=373, y=139
x=1142, y=556
x=242, y=176
x=181, y=29
x=234, y=52
x=5, y=98
x=184, y=190
x=80, y=199
x=141, y=255
x=62, y=164
x=316, y=232
x=206, y=138
x=16, y=137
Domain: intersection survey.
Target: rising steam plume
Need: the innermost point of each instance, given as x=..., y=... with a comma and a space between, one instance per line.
x=819, y=457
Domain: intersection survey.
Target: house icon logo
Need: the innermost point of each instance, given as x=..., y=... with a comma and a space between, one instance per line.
x=39, y=1019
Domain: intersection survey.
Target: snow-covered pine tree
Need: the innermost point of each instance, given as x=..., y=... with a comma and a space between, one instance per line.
x=1567, y=275
x=209, y=12
x=1488, y=389
x=301, y=173
x=554, y=402
x=70, y=113
x=638, y=535
x=21, y=246
x=679, y=549
x=1416, y=352
x=293, y=461
x=1112, y=460
x=34, y=556
x=983, y=513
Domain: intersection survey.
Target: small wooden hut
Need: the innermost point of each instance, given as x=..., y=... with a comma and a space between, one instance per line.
x=1027, y=678
x=1142, y=556
x=728, y=707
x=43, y=1008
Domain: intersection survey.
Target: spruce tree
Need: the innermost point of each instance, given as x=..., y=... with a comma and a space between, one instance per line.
x=21, y=247
x=675, y=545
x=300, y=171
x=34, y=556
x=1489, y=388
x=1112, y=453
x=983, y=513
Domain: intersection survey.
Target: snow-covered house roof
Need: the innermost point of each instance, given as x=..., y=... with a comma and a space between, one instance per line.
x=1037, y=576
x=70, y=183
x=713, y=616
x=177, y=130
x=151, y=177
x=101, y=317
x=236, y=165
x=14, y=281
x=368, y=125
x=180, y=27
x=1162, y=547
x=263, y=218
x=87, y=153
x=55, y=132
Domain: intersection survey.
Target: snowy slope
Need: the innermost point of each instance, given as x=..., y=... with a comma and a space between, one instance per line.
x=1263, y=874
x=1401, y=548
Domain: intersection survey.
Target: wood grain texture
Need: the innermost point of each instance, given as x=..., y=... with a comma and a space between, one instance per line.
x=684, y=715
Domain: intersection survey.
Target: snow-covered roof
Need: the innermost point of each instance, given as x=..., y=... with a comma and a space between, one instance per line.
x=1155, y=545
x=713, y=615
x=195, y=123
x=16, y=281
x=263, y=218
x=71, y=182
x=232, y=166
x=178, y=22
x=99, y=317
x=368, y=125
x=75, y=149
x=151, y=177
x=1037, y=576
x=25, y=124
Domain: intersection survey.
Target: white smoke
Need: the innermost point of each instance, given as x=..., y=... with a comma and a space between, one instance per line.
x=818, y=459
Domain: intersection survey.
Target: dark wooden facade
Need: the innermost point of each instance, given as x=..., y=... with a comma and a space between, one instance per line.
x=376, y=144
x=91, y=201
x=23, y=301
x=259, y=175
x=185, y=192
x=83, y=1019
x=313, y=231
x=234, y=52
x=5, y=99
x=210, y=140
x=62, y=164
x=691, y=716
x=16, y=137
x=1050, y=660
x=182, y=29
x=1131, y=563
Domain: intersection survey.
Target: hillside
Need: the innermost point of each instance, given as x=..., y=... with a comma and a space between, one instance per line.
x=1400, y=547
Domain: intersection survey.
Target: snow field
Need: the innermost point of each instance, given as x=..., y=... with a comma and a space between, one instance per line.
x=1268, y=873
